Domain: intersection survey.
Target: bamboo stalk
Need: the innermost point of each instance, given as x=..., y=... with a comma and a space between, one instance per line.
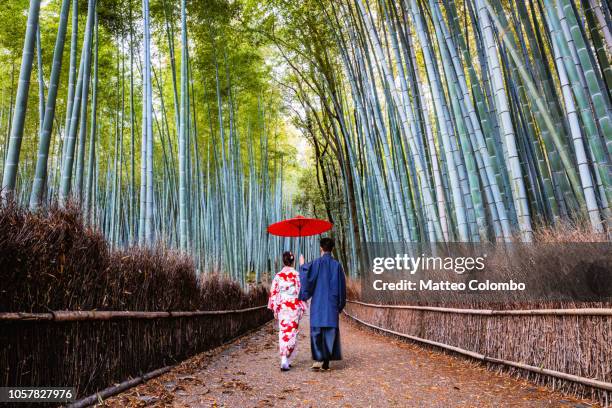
x=13, y=148
x=540, y=370
x=492, y=312
x=87, y=315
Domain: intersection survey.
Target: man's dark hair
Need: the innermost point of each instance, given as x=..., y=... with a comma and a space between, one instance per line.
x=288, y=258
x=327, y=244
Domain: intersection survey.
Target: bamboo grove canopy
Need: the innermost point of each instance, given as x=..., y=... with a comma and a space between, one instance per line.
x=163, y=128
x=426, y=120
x=477, y=120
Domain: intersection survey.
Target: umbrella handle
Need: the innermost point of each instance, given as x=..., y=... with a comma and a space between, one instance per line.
x=298, y=246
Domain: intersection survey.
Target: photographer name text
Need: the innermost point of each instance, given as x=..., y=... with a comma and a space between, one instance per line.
x=441, y=286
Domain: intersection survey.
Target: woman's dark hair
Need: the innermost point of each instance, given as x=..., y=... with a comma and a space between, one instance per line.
x=327, y=244
x=288, y=258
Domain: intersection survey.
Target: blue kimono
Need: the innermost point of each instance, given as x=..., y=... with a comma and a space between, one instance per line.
x=323, y=280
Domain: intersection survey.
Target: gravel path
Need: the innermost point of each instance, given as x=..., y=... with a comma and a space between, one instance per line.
x=377, y=371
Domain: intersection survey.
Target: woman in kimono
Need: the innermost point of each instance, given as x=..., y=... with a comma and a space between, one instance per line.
x=287, y=308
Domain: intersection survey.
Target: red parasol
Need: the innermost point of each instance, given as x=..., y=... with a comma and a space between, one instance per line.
x=299, y=227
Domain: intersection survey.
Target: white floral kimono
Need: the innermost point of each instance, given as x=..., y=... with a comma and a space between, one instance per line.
x=288, y=309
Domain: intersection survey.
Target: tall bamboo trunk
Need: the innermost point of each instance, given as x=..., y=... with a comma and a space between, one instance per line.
x=40, y=176
x=21, y=102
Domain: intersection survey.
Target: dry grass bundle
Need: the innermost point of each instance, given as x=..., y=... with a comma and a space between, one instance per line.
x=51, y=261
x=567, y=231
x=353, y=289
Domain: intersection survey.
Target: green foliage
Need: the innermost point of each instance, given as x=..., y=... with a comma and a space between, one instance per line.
x=13, y=16
x=247, y=109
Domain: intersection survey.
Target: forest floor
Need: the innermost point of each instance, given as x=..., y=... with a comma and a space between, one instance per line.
x=377, y=371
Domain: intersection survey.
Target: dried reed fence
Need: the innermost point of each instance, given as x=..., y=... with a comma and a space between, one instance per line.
x=75, y=313
x=550, y=347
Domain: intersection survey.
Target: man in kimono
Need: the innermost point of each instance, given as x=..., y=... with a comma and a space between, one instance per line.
x=323, y=280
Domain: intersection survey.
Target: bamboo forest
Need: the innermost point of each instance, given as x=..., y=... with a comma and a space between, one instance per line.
x=195, y=124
